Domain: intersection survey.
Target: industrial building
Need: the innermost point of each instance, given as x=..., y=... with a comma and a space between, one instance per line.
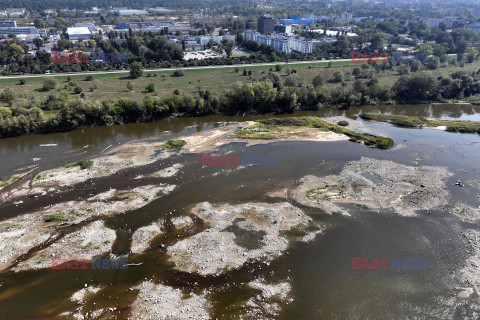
x=89, y=25
x=77, y=33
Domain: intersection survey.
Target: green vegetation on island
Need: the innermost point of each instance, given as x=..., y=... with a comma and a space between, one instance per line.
x=175, y=144
x=83, y=164
x=8, y=180
x=59, y=216
x=265, y=129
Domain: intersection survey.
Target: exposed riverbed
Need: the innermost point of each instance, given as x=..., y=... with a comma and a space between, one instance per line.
x=246, y=241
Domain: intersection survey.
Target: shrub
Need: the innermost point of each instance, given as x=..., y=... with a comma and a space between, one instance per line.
x=7, y=96
x=415, y=66
x=338, y=76
x=83, y=164
x=22, y=81
x=49, y=84
x=77, y=90
x=342, y=123
x=433, y=63
x=150, y=87
x=129, y=86
x=293, y=80
x=317, y=81
x=89, y=77
x=178, y=73
x=175, y=144
x=278, y=68
x=59, y=216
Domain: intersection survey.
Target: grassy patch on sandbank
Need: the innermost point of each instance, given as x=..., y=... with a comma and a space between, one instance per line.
x=8, y=180
x=59, y=216
x=175, y=144
x=266, y=130
x=83, y=164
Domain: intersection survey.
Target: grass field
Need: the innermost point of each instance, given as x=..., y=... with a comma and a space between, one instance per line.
x=114, y=85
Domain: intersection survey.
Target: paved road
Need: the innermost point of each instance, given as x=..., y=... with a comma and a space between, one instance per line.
x=169, y=69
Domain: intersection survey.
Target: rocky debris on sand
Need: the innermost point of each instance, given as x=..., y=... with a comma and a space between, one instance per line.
x=108, y=203
x=269, y=291
x=167, y=172
x=282, y=193
x=210, y=139
x=92, y=240
x=312, y=235
x=466, y=212
x=142, y=237
x=182, y=222
x=465, y=293
x=158, y=301
x=216, y=250
x=471, y=272
x=268, y=303
x=125, y=156
x=377, y=184
x=80, y=295
x=24, y=190
x=18, y=235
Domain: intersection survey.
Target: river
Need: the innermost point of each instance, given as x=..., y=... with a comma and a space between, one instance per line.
x=324, y=286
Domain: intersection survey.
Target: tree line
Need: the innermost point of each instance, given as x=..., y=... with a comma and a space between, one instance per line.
x=268, y=94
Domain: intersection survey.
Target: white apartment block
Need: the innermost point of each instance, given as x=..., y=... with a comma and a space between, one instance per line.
x=279, y=42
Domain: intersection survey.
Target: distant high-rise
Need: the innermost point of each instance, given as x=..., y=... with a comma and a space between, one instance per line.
x=265, y=25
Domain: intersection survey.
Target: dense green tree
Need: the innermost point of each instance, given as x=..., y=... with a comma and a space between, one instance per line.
x=136, y=70
x=416, y=87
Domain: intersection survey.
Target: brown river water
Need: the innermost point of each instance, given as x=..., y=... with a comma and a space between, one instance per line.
x=323, y=284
